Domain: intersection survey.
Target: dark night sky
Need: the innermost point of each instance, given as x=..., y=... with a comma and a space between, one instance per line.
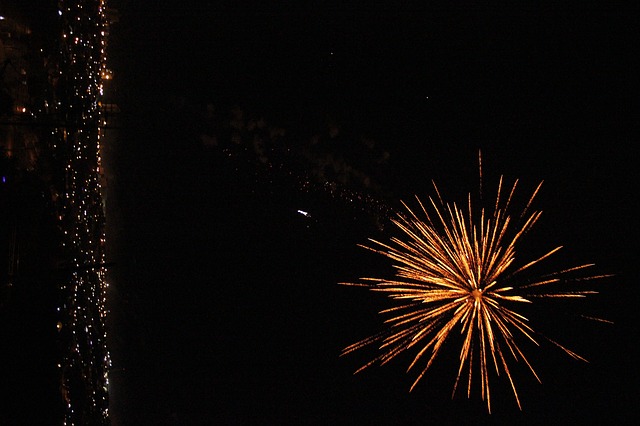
x=225, y=301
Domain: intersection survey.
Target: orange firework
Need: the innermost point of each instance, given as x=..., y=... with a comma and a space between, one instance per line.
x=457, y=271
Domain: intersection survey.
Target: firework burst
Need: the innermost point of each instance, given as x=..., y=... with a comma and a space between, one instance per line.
x=457, y=273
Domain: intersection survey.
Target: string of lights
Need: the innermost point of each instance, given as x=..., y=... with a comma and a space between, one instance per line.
x=85, y=360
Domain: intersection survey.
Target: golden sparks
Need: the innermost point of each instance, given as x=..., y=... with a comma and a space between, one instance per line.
x=457, y=272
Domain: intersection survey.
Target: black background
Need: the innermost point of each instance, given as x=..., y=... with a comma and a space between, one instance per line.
x=225, y=303
x=234, y=314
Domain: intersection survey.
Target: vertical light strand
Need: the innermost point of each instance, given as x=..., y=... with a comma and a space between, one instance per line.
x=85, y=359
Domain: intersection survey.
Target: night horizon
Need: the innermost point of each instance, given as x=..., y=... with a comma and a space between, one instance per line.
x=226, y=161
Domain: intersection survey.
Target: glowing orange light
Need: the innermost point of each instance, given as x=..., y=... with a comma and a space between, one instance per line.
x=456, y=271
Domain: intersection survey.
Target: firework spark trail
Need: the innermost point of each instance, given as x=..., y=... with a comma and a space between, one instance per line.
x=457, y=272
